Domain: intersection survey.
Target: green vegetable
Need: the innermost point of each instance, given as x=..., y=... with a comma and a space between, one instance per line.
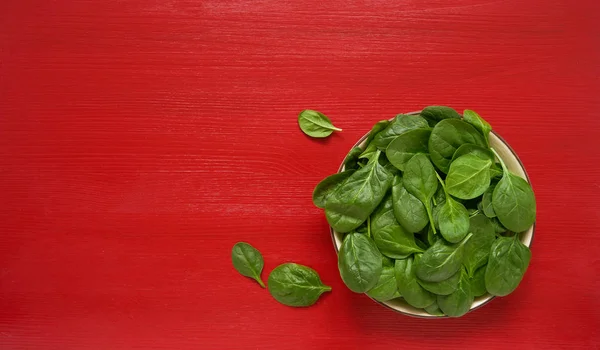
x=359, y=262
x=477, y=249
x=408, y=286
x=459, y=302
x=420, y=181
x=434, y=309
x=405, y=146
x=352, y=202
x=478, y=151
x=408, y=209
x=509, y=259
x=351, y=160
x=248, y=261
x=496, y=171
x=498, y=228
x=315, y=124
x=296, y=285
x=469, y=177
x=513, y=201
x=386, y=287
x=434, y=114
x=401, y=124
x=486, y=202
x=441, y=261
x=444, y=287
x=479, y=123
x=376, y=129
x=328, y=185
x=369, y=152
x=447, y=136
x=478, y=282
x=452, y=217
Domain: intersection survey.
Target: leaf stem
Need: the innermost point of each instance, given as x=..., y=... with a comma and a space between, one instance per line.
x=369, y=226
x=428, y=209
x=259, y=280
x=442, y=183
x=336, y=129
x=504, y=168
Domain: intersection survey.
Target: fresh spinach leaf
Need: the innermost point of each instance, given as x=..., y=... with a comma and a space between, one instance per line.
x=496, y=171
x=386, y=287
x=452, y=217
x=447, y=136
x=296, y=285
x=498, y=228
x=513, y=201
x=509, y=259
x=478, y=282
x=401, y=124
x=391, y=238
x=478, y=151
x=434, y=309
x=459, y=302
x=434, y=114
x=444, y=287
x=486, y=202
x=351, y=160
x=369, y=152
x=477, y=249
x=479, y=123
x=408, y=209
x=328, y=185
x=248, y=261
x=420, y=181
x=352, y=202
x=359, y=262
x=315, y=124
x=441, y=260
x=405, y=146
x=469, y=177
x=408, y=286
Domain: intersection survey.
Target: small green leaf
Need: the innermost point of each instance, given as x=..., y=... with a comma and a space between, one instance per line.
x=408, y=209
x=405, y=146
x=509, y=259
x=248, y=261
x=479, y=123
x=386, y=287
x=296, y=285
x=315, y=124
x=420, y=181
x=441, y=261
x=478, y=282
x=359, y=262
x=445, y=287
x=401, y=124
x=486, y=202
x=408, y=286
x=327, y=186
x=468, y=177
x=477, y=249
x=459, y=302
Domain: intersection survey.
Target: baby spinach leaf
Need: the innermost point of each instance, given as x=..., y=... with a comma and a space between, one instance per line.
x=408, y=286
x=420, y=181
x=513, y=201
x=434, y=114
x=391, y=238
x=248, y=261
x=452, y=217
x=486, y=202
x=477, y=249
x=386, y=287
x=478, y=282
x=509, y=259
x=328, y=185
x=315, y=124
x=444, y=287
x=434, y=309
x=351, y=203
x=296, y=285
x=496, y=171
x=401, y=124
x=359, y=262
x=479, y=123
x=469, y=177
x=478, y=151
x=498, y=228
x=351, y=160
x=441, y=260
x=431, y=236
x=405, y=146
x=459, y=302
x=368, y=152
x=447, y=136
x=408, y=209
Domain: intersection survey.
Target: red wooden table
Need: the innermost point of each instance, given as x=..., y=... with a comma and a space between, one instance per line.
x=141, y=139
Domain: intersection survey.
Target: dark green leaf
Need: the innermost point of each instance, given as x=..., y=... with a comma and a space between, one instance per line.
x=408, y=286
x=453, y=219
x=486, y=202
x=444, y=287
x=420, y=181
x=315, y=124
x=479, y=123
x=327, y=186
x=478, y=151
x=469, y=177
x=296, y=285
x=351, y=160
x=386, y=287
x=447, y=136
x=478, y=282
x=509, y=259
x=369, y=152
x=359, y=262
x=405, y=146
x=459, y=302
x=408, y=209
x=401, y=124
x=477, y=249
x=248, y=261
x=498, y=228
x=495, y=171
x=434, y=114
x=441, y=260
x=434, y=309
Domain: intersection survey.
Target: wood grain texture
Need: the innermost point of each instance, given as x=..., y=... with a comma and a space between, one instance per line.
x=140, y=139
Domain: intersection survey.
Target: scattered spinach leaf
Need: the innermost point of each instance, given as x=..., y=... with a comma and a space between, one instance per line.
x=248, y=261
x=296, y=285
x=315, y=124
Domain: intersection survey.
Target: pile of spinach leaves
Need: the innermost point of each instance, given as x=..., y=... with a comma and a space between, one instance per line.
x=430, y=213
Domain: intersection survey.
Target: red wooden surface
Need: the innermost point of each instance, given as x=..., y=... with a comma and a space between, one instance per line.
x=139, y=140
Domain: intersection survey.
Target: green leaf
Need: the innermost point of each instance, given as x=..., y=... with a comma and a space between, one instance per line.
x=469, y=177
x=434, y=309
x=420, y=181
x=441, y=260
x=444, y=287
x=359, y=262
x=351, y=160
x=352, y=202
x=401, y=124
x=386, y=287
x=296, y=285
x=498, y=228
x=478, y=151
x=447, y=136
x=477, y=249
x=452, y=217
x=513, y=201
x=434, y=114
x=479, y=123
x=408, y=286
x=315, y=124
x=408, y=209
x=486, y=202
x=459, y=302
x=509, y=259
x=248, y=261
x=327, y=186
x=405, y=146
x=478, y=282
x=369, y=152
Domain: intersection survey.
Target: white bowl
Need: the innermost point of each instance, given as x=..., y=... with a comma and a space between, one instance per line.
x=513, y=163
